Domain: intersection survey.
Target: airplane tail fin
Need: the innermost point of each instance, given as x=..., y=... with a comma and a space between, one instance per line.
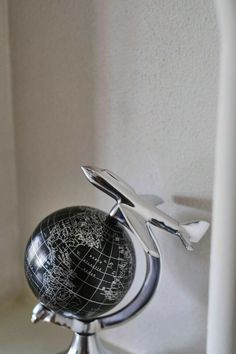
x=192, y=233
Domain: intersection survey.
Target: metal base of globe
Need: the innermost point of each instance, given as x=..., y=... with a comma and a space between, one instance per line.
x=91, y=344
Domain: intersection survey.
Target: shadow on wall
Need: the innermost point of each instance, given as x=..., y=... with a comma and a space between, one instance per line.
x=52, y=53
x=204, y=204
x=52, y=57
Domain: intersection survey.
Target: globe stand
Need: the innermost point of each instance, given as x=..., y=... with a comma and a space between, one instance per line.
x=92, y=344
x=86, y=339
x=86, y=344
x=136, y=214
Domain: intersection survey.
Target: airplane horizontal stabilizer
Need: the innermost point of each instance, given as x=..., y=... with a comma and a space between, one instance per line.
x=193, y=232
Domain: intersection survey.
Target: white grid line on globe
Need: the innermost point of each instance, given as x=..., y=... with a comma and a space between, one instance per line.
x=66, y=288
x=97, y=310
x=81, y=260
x=77, y=215
x=89, y=274
x=105, y=273
x=101, y=253
x=44, y=243
x=73, y=252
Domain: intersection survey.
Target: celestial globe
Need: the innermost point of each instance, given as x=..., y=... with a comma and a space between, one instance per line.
x=80, y=262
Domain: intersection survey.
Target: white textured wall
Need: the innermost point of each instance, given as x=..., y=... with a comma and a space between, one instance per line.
x=128, y=85
x=53, y=103
x=9, y=257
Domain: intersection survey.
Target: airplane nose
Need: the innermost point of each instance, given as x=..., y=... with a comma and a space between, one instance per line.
x=87, y=171
x=90, y=172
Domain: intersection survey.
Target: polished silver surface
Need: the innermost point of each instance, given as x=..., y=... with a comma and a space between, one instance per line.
x=137, y=213
x=85, y=344
x=93, y=344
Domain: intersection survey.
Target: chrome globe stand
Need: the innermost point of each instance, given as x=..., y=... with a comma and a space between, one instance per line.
x=86, y=344
x=135, y=213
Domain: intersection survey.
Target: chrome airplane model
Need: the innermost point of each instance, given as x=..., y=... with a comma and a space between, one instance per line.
x=138, y=213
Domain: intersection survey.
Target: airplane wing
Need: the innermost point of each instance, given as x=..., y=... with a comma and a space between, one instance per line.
x=139, y=228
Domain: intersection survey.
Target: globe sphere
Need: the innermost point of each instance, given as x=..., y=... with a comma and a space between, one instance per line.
x=80, y=262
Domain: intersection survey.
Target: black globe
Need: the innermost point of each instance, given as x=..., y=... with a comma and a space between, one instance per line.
x=80, y=262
